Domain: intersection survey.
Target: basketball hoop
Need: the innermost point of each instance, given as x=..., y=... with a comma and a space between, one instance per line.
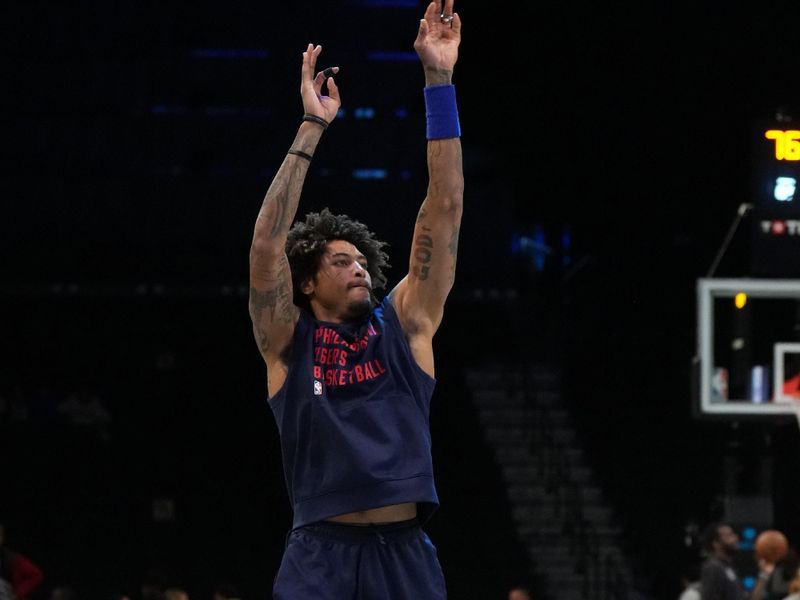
x=787, y=385
x=791, y=392
x=796, y=407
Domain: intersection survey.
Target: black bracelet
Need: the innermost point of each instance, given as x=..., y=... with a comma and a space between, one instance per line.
x=316, y=119
x=301, y=154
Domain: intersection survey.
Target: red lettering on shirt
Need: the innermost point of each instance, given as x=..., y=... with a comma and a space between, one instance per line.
x=334, y=358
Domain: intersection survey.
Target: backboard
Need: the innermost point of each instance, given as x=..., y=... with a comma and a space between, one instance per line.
x=748, y=347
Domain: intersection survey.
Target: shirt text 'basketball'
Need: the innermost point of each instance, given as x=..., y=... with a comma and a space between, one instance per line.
x=340, y=362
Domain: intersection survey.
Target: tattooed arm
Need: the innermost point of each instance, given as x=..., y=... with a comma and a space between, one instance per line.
x=420, y=297
x=272, y=311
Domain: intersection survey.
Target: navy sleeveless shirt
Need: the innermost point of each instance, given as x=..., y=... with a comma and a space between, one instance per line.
x=353, y=419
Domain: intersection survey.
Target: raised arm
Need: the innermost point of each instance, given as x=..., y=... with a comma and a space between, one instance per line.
x=420, y=297
x=272, y=311
x=765, y=570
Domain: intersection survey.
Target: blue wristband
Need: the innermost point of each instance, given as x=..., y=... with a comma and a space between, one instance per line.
x=441, y=112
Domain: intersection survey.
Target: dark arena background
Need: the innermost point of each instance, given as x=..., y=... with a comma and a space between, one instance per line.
x=612, y=156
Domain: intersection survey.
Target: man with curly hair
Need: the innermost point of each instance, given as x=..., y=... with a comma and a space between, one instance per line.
x=349, y=376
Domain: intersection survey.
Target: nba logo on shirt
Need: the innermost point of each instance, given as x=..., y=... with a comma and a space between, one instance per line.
x=317, y=388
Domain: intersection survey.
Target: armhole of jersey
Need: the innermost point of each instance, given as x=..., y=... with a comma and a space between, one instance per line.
x=391, y=313
x=299, y=330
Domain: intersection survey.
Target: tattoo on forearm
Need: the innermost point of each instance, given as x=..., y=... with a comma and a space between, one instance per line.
x=280, y=203
x=445, y=166
x=279, y=215
x=423, y=253
x=438, y=76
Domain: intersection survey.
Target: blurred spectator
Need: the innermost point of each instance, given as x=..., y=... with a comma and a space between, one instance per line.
x=691, y=591
x=691, y=583
x=718, y=579
x=19, y=576
x=226, y=591
x=85, y=411
x=176, y=593
x=785, y=570
x=62, y=592
x=519, y=592
x=154, y=584
x=794, y=587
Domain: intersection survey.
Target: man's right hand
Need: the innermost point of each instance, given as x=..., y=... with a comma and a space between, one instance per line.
x=314, y=102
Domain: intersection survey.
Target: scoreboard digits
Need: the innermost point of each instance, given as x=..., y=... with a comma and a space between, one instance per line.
x=787, y=143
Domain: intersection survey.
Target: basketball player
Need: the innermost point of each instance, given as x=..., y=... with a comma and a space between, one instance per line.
x=350, y=377
x=718, y=580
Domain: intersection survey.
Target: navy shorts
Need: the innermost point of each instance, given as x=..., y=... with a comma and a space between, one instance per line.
x=330, y=561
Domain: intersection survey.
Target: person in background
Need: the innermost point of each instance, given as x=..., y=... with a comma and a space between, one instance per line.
x=794, y=587
x=19, y=575
x=226, y=591
x=62, y=591
x=718, y=579
x=691, y=591
x=520, y=592
x=785, y=569
x=691, y=583
x=154, y=582
x=176, y=593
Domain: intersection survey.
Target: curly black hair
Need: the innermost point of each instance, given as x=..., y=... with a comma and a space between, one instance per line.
x=710, y=534
x=308, y=240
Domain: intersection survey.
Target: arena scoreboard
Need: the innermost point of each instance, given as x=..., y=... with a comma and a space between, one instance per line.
x=776, y=167
x=775, y=219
